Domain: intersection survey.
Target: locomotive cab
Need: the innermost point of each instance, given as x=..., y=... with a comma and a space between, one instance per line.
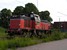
x=35, y=18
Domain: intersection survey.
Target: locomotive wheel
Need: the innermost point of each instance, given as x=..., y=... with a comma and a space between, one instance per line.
x=10, y=35
x=24, y=34
x=21, y=33
x=32, y=33
x=39, y=34
x=27, y=34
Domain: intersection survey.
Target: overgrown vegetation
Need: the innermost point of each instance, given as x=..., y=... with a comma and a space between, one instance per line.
x=17, y=42
x=2, y=32
x=22, y=42
x=56, y=35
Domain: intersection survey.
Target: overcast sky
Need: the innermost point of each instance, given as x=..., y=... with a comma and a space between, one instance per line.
x=57, y=8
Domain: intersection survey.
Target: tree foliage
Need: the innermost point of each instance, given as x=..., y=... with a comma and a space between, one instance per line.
x=5, y=15
x=18, y=10
x=30, y=7
x=45, y=15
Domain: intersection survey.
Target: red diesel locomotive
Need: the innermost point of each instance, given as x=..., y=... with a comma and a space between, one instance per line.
x=28, y=26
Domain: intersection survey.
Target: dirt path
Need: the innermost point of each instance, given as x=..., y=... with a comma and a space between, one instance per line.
x=55, y=45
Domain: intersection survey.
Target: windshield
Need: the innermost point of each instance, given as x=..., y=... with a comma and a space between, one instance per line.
x=37, y=19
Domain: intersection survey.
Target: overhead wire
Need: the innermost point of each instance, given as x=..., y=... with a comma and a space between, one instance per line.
x=63, y=14
x=20, y=1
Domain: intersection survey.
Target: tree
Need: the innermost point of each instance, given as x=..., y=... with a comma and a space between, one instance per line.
x=30, y=7
x=45, y=15
x=5, y=16
x=5, y=12
x=18, y=10
x=0, y=14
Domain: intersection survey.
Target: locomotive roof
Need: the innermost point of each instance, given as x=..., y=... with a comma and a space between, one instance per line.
x=20, y=17
x=44, y=21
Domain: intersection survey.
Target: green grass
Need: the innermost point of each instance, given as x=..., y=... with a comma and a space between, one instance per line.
x=18, y=42
x=22, y=42
x=2, y=32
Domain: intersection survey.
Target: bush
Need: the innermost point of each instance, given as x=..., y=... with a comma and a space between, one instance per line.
x=65, y=36
x=56, y=35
